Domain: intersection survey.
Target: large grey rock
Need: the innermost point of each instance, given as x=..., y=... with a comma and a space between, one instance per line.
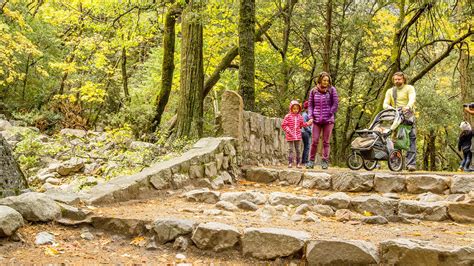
x=317, y=180
x=256, y=197
x=389, y=183
x=78, y=133
x=462, y=184
x=215, y=236
x=10, y=221
x=33, y=206
x=339, y=200
x=161, y=179
x=12, y=180
x=4, y=125
x=429, y=197
x=73, y=213
x=232, y=114
x=427, y=183
x=352, y=181
x=225, y=205
x=196, y=171
x=432, y=211
x=202, y=195
x=210, y=170
x=70, y=166
x=271, y=243
x=411, y=252
x=261, y=175
x=323, y=210
x=374, y=220
x=277, y=198
x=341, y=252
x=292, y=177
x=375, y=204
x=168, y=229
x=247, y=205
x=462, y=212
x=456, y=197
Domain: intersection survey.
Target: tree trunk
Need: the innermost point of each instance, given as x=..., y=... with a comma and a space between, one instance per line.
x=432, y=149
x=167, y=68
x=327, y=39
x=247, y=53
x=124, y=75
x=190, y=111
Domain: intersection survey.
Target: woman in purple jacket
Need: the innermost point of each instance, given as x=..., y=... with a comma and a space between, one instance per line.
x=323, y=103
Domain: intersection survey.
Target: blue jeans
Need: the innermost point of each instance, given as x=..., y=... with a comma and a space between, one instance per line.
x=466, y=162
x=411, y=153
x=306, y=145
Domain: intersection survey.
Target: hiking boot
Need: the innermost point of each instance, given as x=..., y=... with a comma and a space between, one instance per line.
x=411, y=168
x=310, y=165
x=324, y=164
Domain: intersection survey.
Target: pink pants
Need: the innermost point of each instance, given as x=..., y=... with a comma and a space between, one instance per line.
x=327, y=130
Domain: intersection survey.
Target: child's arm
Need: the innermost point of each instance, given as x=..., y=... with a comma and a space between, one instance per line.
x=284, y=124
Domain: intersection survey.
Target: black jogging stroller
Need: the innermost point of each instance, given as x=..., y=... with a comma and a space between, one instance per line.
x=374, y=144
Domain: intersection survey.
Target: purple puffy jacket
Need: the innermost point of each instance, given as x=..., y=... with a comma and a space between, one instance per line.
x=323, y=106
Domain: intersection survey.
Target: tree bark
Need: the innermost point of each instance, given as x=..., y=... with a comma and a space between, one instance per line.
x=327, y=39
x=247, y=53
x=124, y=75
x=190, y=112
x=167, y=68
x=234, y=51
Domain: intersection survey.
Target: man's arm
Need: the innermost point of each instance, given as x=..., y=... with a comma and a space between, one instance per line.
x=387, y=100
x=411, y=97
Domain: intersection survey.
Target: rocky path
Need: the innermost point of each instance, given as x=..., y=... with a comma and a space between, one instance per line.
x=271, y=215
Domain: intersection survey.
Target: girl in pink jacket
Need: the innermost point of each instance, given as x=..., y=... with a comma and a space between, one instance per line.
x=292, y=124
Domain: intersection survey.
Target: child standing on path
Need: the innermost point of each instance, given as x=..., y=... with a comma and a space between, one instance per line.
x=464, y=145
x=292, y=124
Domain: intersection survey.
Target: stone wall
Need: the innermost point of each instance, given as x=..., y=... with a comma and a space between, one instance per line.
x=210, y=159
x=261, y=139
x=12, y=180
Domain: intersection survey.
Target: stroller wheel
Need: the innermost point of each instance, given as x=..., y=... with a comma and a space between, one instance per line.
x=395, y=160
x=370, y=165
x=355, y=161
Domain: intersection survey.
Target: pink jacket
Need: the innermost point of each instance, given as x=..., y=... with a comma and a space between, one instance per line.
x=292, y=123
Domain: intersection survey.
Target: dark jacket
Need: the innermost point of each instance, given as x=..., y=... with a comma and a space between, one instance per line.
x=464, y=143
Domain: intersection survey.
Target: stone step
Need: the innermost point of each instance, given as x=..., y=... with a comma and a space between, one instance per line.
x=356, y=181
x=378, y=245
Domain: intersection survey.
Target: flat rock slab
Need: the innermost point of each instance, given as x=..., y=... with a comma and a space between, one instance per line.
x=461, y=212
x=10, y=221
x=375, y=204
x=317, y=180
x=341, y=252
x=410, y=252
x=215, y=236
x=339, y=200
x=427, y=183
x=202, y=195
x=462, y=184
x=129, y=227
x=261, y=175
x=168, y=229
x=389, y=183
x=271, y=243
x=432, y=211
x=281, y=198
x=353, y=182
x=292, y=177
x=33, y=206
x=235, y=198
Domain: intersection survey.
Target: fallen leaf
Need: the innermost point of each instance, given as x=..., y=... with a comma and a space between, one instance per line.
x=138, y=241
x=367, y=213
x=416, y=234
x=51, y=251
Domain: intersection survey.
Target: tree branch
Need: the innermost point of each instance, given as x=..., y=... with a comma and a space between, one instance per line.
x=441, y=57
x=407, y=64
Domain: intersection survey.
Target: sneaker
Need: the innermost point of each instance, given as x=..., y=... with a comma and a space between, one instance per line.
x=324, y=164
x=290, y=165
x=310, y=165
x=411, y=168
x=298, y=166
